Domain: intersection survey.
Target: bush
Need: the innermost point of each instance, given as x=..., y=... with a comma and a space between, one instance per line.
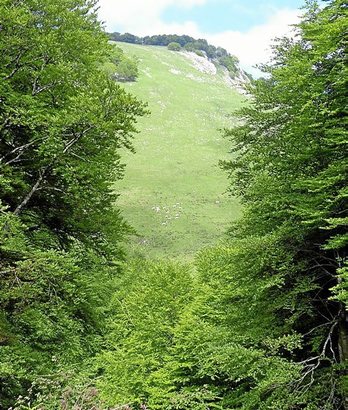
x=127, y=70
x=121, y=66
x=200, y=53
x=174, y=46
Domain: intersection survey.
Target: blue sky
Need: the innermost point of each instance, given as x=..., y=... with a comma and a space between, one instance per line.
x=244, y=27
x=220, y=15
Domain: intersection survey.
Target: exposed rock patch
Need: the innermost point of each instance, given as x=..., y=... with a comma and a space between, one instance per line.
x=201, y=64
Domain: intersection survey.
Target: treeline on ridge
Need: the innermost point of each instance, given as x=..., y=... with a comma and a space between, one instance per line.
x=185, y=42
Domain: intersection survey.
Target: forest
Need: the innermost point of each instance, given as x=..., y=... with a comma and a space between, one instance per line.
x=256, y=321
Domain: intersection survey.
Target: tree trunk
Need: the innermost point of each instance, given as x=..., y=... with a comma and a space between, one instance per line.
x=343, y=343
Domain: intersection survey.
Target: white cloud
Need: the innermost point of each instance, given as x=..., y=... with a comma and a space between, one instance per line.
x=254, y=46
x=143, y=17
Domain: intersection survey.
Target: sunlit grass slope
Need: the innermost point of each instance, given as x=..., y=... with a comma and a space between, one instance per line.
x=174, y=193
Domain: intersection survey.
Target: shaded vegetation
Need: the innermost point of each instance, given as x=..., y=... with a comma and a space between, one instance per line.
x=121, y=67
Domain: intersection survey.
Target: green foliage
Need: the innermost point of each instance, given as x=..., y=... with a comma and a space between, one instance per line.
x=290, y=173
x=236, y=342
x=260, y=323
x=149, y=301
x=231, y=63
x=62, y=121
x=51, y=319
x=175, y=42
x=341, y=289
x=124, y=68
x=200, y=53
x=266, y=325
x=174, y=46
x=127, y=70
x=184, y=41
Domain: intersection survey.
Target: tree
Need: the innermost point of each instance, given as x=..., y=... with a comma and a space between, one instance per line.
x=231, y=63
x=62, y=121
x=128, y=38
x=290, y=172
x=150, y=299
x=121, y=67
x=189, y=46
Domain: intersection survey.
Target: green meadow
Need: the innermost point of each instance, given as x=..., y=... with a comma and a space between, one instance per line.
x=174, y=193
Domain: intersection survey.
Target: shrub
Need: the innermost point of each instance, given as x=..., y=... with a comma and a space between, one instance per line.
x=174, y=46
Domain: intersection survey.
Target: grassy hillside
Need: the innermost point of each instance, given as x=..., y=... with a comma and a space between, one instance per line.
x=173, y=192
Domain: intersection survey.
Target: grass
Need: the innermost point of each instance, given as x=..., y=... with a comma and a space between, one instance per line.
x=174, y=193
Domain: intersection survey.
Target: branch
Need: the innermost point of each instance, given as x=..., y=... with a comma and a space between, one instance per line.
x=310, y=367
x=15, y=61
x=35, y=187
x=76, y=138
x=43, y=172
x=20, y=149
x=323, y=267
x=317, y=327
x=37, y=90
x=79, y=157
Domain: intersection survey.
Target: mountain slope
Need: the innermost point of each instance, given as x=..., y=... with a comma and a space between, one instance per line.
x=173, y=192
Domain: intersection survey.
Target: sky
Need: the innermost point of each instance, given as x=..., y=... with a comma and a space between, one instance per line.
x=243, y=27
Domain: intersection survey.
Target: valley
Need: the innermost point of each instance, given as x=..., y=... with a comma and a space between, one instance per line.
x=174, y=193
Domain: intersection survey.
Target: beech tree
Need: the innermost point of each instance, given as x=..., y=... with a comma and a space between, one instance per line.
x=148, y=303
x=290, y=171
x=62, y=121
